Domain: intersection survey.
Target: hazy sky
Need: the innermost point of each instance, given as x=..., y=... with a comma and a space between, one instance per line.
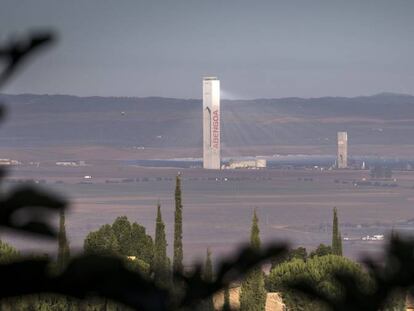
x=272, y=48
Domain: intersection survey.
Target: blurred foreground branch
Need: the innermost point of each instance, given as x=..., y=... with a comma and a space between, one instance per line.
x=108, y=277
x=17, y=52
x=395, y=274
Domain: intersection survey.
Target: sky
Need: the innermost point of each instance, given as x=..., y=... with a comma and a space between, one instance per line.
x=258, y=49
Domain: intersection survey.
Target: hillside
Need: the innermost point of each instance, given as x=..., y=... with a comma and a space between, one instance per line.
x=58, y=120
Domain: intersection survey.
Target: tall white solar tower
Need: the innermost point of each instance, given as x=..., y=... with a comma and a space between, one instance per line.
x=211, y=123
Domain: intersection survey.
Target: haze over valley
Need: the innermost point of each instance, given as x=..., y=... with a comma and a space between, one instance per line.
x=56, y=127
x=116, y=137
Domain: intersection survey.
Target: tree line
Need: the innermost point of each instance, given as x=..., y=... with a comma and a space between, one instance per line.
x=140, y=252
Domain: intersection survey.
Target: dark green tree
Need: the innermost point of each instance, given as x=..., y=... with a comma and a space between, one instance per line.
x=142, y=245
x=295, y=253
x=339, y=242
x=122, y=239
x=208, y=304
x=321, y=250
x=298, y=253
x=63, y=258
x=208, y=267
x=320, y=272
x=103, y=242
x=336, y=235
x=122, y=230
x=178, y=227
x=63, y=244
x=253, y=293
x=160, y=263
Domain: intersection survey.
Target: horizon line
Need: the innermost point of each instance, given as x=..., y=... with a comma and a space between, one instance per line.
x=200, y=99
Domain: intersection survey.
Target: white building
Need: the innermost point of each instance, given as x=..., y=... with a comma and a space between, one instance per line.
x=9, y=162
x=250, y=164
x=376, y=237
x=261, y=163
x=342, y=161
x=71, y=163
x=211, y=123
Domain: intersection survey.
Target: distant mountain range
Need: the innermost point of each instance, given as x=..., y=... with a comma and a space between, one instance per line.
x=44, y=120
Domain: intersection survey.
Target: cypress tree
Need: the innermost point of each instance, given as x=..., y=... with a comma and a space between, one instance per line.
x=336, y=235
x=255, y=232
x=178, y=227
x=63, y=257
x=208, y=268
x=160, y=263
x=340, y=243
x=208, y=305
x=63, y=244
x=253, y=293
x=335, y=245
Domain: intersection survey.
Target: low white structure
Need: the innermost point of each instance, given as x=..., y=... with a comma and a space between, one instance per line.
x=376, y=237
x=9, y=162
x=261, y=163
x=249, y=164
x=71, y=163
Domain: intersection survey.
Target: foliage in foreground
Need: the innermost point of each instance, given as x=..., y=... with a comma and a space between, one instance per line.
x=123, y=239
x=253, y=292
x=207, y=304
x=161, y=263
x=178, y=227
x=336, y=235
x=317, y=271
x=28, y=209
x=390, y=280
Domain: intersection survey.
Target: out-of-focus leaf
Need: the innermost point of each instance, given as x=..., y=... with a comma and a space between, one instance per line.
x=16, y=53
x=395, y=274
x=108, y=277
x=24, y=277
x=28, y=209
x=196, y=289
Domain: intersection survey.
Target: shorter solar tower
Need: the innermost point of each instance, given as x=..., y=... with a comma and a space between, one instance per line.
x=342, y=161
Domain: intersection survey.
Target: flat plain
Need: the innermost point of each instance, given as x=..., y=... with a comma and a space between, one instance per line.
x=293, y=205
